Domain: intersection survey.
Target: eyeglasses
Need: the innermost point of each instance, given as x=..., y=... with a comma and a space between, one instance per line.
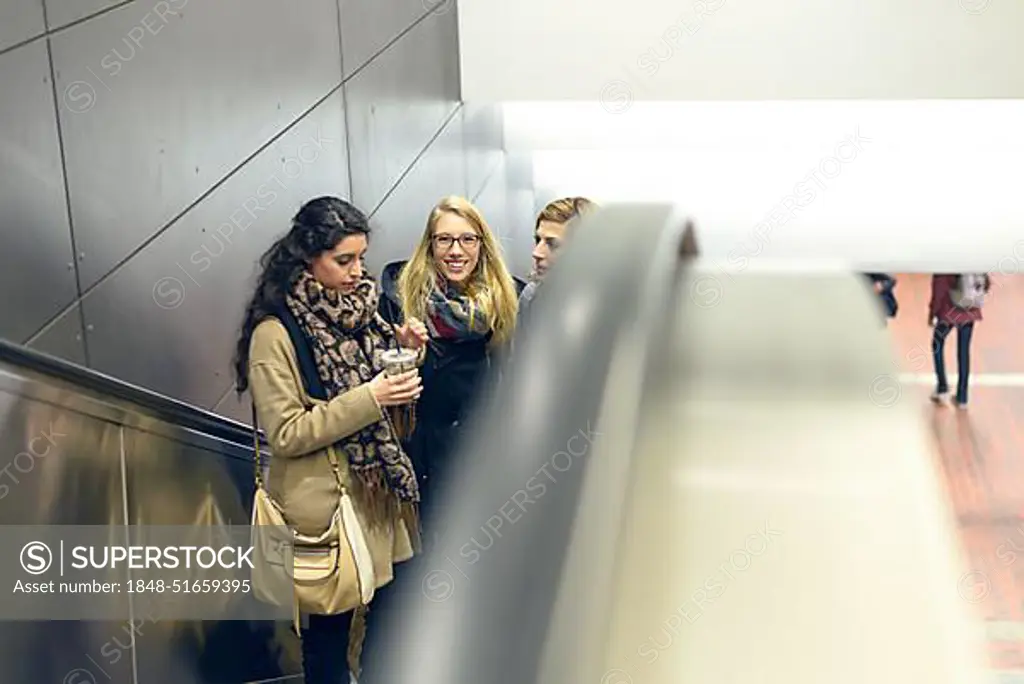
x=469, y=241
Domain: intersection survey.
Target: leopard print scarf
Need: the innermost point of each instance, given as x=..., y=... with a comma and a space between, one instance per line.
x=347, y=336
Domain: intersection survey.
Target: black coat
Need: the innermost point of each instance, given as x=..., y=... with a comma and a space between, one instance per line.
x=887, y=293
x=454, y=377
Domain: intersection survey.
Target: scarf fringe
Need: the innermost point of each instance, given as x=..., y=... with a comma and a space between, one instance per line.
x=356, y=640
x=410, y=515
x=382, y=506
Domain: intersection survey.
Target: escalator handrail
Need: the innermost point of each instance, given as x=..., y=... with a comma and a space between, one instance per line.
x=159, y=406
x=492, y=625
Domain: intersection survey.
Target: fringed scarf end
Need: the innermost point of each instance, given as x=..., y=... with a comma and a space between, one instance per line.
x=410, y=515
x=383, y=507
x=356, y=640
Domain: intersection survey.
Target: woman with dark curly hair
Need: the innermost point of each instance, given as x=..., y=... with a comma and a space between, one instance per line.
x=310, y=352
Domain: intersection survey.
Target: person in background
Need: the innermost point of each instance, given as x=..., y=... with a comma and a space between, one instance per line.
x=549, y=234
x=310, y=353
x=885, y=286
x=956, y=302
x=457, y=282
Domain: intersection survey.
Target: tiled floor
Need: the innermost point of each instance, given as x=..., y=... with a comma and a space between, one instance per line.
x=980, y=453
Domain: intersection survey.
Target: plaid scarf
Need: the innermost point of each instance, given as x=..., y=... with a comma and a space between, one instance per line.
x=347, y=336
x=453, y=316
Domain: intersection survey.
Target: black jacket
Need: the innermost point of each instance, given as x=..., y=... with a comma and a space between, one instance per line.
x=887, y=293
x=454, y=375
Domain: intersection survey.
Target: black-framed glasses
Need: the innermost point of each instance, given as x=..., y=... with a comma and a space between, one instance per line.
x=469, y=241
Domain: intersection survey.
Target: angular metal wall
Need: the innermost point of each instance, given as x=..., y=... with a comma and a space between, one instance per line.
x=156, y=147
x=36, y=259
x=20, y=21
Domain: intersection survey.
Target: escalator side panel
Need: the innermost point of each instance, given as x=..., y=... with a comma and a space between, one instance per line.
x=490, y=584
x=57, y=467
x=70, y=455
x=172, y=482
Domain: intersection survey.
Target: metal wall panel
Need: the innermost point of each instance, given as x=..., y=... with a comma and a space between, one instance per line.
x=519, y=236
x=160, y=100
x=519, y=213
x=20, y=20
x=491, y=200
x=63, y=338
x=542, y=196
x=484, y=138
x=398, y=103
x=520, y=170
x=35, y=260
x=367, y=26
x=63, y=12
x=399, y=222
x=235, y=407
x=168, y=319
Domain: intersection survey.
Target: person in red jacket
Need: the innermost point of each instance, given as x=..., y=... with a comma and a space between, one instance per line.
x=944, y=314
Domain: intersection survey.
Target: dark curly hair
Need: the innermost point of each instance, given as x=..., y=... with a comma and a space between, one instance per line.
x=318, y=227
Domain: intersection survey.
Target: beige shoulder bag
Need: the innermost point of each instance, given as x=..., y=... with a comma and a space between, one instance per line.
x=326, y=574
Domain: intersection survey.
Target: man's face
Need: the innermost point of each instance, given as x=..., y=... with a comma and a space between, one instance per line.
x=547, y=240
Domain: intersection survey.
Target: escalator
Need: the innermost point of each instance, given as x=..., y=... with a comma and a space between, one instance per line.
x=694, y=475
x=79, y=448
x=663, y=487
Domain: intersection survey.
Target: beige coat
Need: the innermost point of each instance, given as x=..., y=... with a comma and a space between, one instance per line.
x=299, y=429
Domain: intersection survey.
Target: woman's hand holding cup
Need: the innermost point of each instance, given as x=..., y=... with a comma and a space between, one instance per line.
x=396, y=390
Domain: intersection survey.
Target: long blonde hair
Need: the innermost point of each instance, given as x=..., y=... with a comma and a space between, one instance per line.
x=489, y=285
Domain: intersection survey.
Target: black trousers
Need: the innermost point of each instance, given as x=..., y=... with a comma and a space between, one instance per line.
x=325, y=649
x=964, y=331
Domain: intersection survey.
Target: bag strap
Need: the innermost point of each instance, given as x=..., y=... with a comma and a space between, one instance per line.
x=332, y=456
x=257, y=456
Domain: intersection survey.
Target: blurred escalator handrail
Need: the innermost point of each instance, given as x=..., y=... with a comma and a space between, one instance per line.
x=489, y=586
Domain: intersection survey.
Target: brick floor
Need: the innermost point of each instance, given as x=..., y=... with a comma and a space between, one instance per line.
x=979, y=451
x=995, y=338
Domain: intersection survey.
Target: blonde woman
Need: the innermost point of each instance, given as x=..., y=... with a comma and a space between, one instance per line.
x=457, y=283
